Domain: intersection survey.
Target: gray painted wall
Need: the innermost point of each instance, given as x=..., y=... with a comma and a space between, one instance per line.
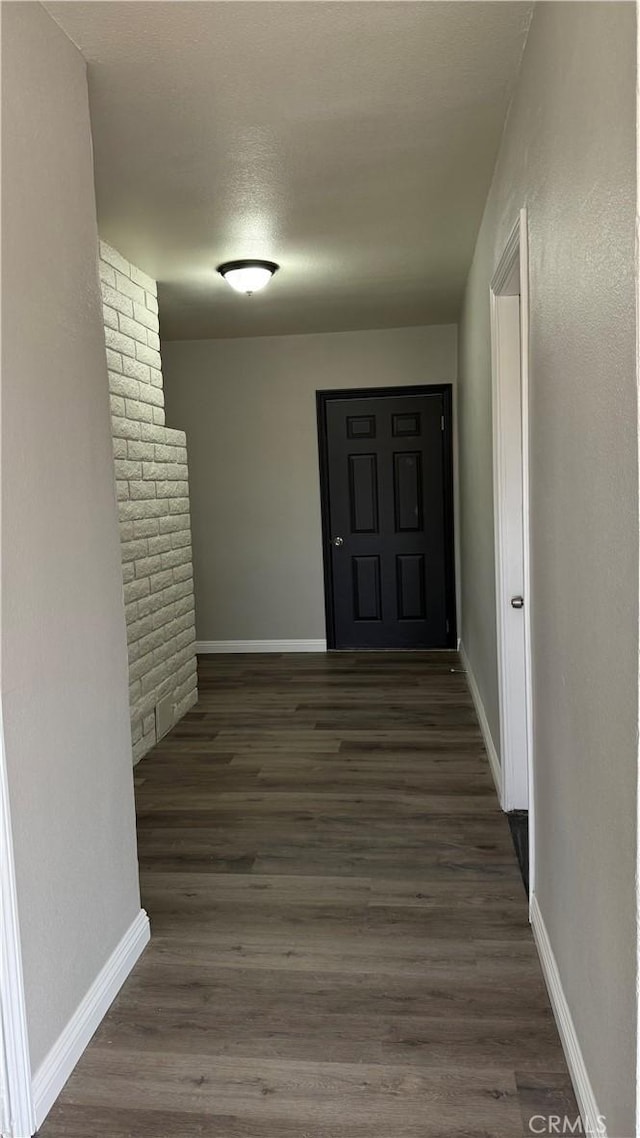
x=64, y=679
x=568, y=154
x=248, y=408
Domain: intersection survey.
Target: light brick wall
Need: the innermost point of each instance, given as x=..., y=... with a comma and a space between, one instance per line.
x=153, y=499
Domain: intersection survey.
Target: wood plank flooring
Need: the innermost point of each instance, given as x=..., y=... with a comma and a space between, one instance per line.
x=340, y=945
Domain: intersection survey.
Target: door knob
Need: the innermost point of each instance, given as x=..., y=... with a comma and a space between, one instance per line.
x=337, y=541
x=517, y=602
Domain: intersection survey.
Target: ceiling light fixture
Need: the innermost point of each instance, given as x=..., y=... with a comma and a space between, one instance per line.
x=247, y=276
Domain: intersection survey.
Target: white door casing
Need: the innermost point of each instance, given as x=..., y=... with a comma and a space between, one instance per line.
x=509, y=343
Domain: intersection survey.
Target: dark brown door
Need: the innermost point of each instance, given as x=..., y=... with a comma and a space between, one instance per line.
x=387, y=514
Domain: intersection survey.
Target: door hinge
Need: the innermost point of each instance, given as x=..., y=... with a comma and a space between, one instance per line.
x=442, y=422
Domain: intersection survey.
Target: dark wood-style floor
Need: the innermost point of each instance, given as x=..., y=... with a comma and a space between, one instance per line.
x=340, y=943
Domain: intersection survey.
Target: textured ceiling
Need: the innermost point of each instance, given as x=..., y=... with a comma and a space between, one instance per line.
x=351, y=142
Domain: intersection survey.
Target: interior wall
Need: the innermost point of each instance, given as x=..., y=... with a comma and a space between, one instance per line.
x=64, y=675
x=248, y=408
x=568, y=154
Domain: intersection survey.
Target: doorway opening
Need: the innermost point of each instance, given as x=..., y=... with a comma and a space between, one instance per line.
x=386, y=485
x=509, y=344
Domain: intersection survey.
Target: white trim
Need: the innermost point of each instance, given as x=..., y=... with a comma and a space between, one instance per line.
x=509, y=355
x=638, y=584
x=215, y=646
x=585, y=1096
x=5, y=1113
x=55, y=1069
x=507, y=511
x=501, y=277
x=15, y=1060
x=492, y=754
x=526, y=532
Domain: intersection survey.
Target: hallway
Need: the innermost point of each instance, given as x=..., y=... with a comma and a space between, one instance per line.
x=340, y=944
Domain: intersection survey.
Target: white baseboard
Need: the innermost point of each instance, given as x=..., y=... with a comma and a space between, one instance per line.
x=492, y=754
x=215, y=646
x=55, y=1069
x=594, y=1124
x=16, y=1103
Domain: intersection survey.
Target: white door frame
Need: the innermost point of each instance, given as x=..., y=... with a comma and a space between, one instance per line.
x=16, y=1064
x=509, y=297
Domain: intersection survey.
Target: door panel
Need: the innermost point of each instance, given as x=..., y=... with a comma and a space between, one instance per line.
x=410, y=575
x=363, y=492
x=407, y=492
x=366, y=588
x=386, y=495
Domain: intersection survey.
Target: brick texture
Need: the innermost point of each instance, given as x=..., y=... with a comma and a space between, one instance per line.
x=152, y=486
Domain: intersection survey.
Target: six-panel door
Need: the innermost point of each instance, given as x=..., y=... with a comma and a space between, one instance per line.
x=388, y=523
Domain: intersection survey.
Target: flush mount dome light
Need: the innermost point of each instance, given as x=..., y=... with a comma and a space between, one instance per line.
x=247, y=276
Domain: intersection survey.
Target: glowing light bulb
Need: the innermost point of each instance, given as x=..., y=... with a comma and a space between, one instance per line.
x=247, y=276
